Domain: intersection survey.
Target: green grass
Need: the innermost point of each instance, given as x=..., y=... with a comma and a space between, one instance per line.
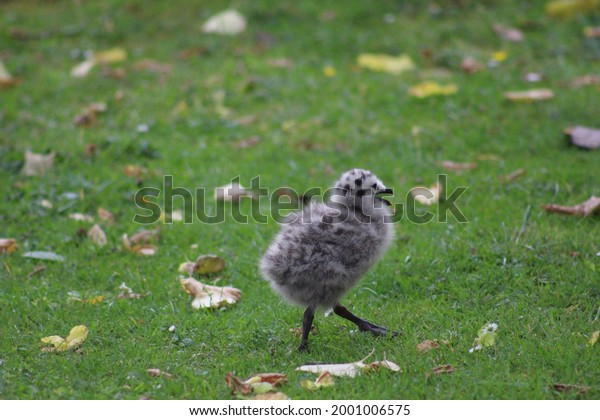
x=538, y=277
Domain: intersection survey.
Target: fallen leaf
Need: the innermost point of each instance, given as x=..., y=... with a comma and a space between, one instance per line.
x=247, y=143
x=329, y=71
x=590, y=32
x=135, y=171
x=37, y=269
x=206, y=296
x=113, y=55
x=127, y=293
x=571, y=388
x=281, y=62
x=431, y=88
x=566, y=9
x=94, y=300
x=97, y=236
x=275, y=379
x=587, y=80
x=349, y=369
x=457, y=167
x=471, y=65
x=513, y=175
x=425, y=346
x=76, y=337
x=140, y=242
x=427, y=196
x=499, y=56
x=486, y=337
x=204, y=264
x=145, y=236
x=509, y=34
x=587, y=208
x=8, y=246
x=325, y=379
x=438, y=370
x=154, y=372
x=89, y=115
x=36, y=164
x=232, y=192
x=80, y=217
x=6, y=79
x=228, y=22
x=594, y=338
x=153, y=66
x=260, y=384
x=530, y=95
x=44, y=255
x=106, y=215
x=386, y=63
x=584, y=137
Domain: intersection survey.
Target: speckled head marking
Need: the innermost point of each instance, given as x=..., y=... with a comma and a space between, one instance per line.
x=360, y=182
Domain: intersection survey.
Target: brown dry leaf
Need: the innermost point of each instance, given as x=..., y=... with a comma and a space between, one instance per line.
x=513, y=175
x=206, y=296
x=438, y=370
x=508, y=34
x=571, y=388
x=425, y=346
x=154, y=372
x=140, y=242
x=532, y=95
x=594, y=338
x=260, y=384
x=471, y=65
x=427, y=196
x=584, y=137
x=587, y=80
x=204, y=264
x=106, y=215
x=587, y=208
x=90, y=113
x=153, y=66
x=457, y=167
x=247, y=143
x=8, y=245
x=145, y=236
x=236, y=385
x=6, y=79
x=275, y=379
x=97, y=236
x=36, y=164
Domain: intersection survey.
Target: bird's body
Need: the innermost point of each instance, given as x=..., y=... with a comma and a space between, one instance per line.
x=323, y=251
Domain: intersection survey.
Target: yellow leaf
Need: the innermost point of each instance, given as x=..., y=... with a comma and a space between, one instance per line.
x=114, y=55
x=427, y=196
x=329, y=71
x=499, y=56
x=386, y=63
x=594, y=337
x=430, y=88
x=568, y=8
x=77, y=336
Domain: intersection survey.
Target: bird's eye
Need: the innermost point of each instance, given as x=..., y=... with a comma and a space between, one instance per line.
x=374, y=186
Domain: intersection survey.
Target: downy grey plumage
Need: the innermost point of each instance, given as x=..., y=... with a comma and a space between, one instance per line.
x=324, y=250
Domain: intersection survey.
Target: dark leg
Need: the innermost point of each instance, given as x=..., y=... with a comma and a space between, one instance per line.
x=363, y=325
x=309, y=315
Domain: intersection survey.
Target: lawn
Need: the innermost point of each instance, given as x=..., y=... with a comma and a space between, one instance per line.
x=286, y=101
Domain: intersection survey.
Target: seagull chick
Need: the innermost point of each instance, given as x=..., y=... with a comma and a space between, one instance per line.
x=323, y=251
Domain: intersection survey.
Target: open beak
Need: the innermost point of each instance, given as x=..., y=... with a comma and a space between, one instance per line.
x=386, y=191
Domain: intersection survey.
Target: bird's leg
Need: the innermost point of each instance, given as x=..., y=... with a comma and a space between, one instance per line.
x=307, y=321
x=363, y=325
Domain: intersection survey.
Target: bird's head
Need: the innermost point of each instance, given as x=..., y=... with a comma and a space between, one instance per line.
x=358, y=183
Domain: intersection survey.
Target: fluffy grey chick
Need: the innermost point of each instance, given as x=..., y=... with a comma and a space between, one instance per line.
x=323, y=251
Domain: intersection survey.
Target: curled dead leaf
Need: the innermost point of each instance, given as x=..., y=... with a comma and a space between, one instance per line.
x=154, y=372
x=427, y=196
x=77, y=336
x=425, y=346
x=439, y=370
x=106, y=215
x=585, y=209
x=260, y=384
x=584, y=137
x=350, y=369
x=206, y=296
x=325, y=379
x=8, y=245
x=97, y=236
x=37, y=164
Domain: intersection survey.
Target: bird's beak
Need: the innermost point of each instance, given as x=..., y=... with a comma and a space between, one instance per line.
x=386, y=191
